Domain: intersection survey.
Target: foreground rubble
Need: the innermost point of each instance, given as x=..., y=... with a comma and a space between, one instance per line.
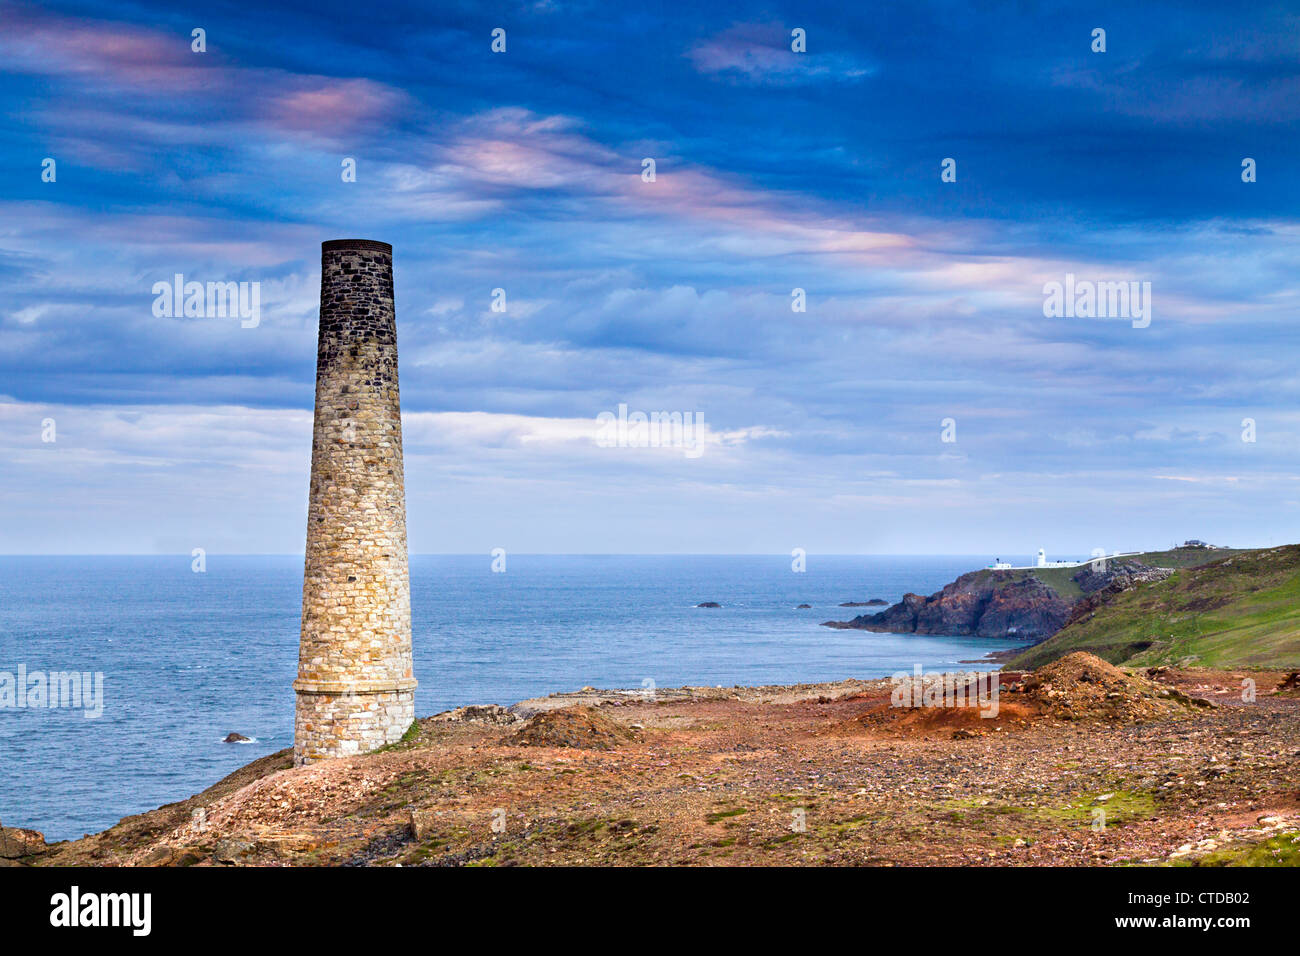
x=811, y=774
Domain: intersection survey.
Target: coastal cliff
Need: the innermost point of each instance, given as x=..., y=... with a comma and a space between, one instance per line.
x=1023, y=603
x=981, y=603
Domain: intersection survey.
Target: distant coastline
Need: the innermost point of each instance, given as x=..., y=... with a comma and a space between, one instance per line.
x=1030, y=602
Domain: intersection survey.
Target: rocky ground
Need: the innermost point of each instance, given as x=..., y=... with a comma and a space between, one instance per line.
x=1080, y=767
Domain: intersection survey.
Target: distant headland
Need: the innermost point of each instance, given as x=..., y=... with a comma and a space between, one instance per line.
x=1030, y=602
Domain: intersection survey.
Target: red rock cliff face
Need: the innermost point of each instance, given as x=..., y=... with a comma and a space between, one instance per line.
x=978, y=604
x=992, y=604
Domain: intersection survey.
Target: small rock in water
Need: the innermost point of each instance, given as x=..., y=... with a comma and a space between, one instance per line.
x=236, y=739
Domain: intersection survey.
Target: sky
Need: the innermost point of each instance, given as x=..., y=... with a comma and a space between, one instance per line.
x=774, y=170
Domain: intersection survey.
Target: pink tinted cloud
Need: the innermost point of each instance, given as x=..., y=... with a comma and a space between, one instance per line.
x=110, y=57
x=515, y=149
x=36, y=41
x=333, y=105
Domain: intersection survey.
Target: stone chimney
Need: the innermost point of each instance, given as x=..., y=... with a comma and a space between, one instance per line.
x=355, y=686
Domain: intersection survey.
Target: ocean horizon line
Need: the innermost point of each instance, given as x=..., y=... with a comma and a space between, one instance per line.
x=560, y=554
x=529, y=554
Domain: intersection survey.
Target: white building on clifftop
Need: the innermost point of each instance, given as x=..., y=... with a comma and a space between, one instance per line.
x=1042, y=562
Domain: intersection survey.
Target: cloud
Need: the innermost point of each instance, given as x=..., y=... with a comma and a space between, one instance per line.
x=335, y=105
x=111, y=64
x=760, y=54
x=97, y=51
x=462, y=431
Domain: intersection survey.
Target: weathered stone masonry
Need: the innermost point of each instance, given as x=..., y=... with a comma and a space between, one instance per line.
x=355, y=687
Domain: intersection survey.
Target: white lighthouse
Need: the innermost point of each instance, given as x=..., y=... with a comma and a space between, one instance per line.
x=1044, y=563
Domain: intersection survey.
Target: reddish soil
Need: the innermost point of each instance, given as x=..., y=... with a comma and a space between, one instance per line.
x=815, y=774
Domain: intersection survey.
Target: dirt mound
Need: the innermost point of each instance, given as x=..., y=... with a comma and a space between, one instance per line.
x=1080, y=686
x=581, y=727
x=1076, y=668
x=955, y=722
x=942, y=705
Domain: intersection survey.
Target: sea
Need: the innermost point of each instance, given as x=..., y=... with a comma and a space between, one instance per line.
x=188, y=656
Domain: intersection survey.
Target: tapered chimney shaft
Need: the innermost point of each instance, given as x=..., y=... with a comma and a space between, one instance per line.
x=355, y=686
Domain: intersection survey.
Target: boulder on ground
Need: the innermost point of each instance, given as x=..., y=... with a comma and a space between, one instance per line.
x=424, y=823
x=159, y=856
x=231, y=852
x=15, y=842
x=478, y=714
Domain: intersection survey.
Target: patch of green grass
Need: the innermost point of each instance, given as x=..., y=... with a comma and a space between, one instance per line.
x=1281, y=850
x=847, y=825
x=588, y=827
x=774, y=842
x=721, y=815
x=1060, y=580
x=423, y=852
x=1124, y=806
x=1184, y=557
x=404, y=742
x=1120, y=807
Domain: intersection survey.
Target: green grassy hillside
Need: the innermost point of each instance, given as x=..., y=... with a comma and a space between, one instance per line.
x=1184, y=557
x=1241, y=610
x=1061, y=580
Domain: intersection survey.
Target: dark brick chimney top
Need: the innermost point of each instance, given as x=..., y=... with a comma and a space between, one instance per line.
x=370, y=245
